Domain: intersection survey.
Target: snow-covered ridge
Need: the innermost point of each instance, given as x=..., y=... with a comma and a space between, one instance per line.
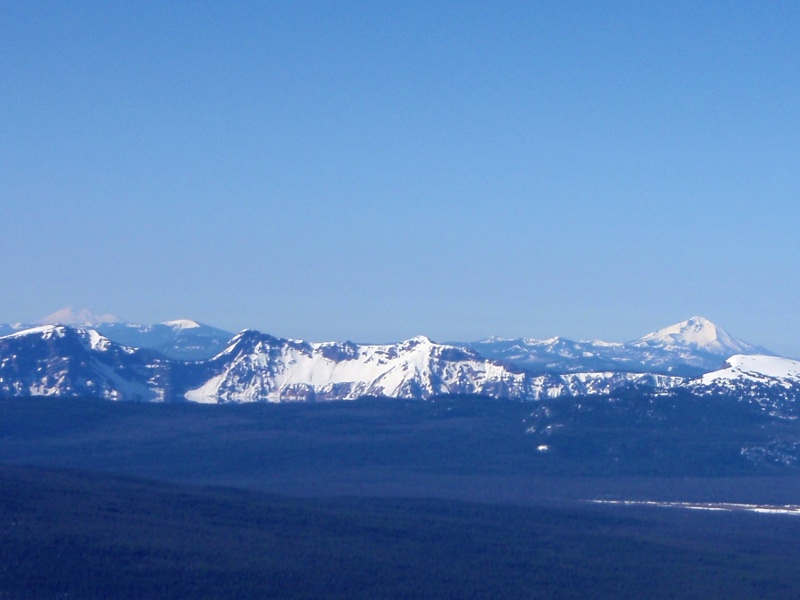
x=686, y=349
x=46, y=331
x=755, y=366
x=770, y=382
x=253, y=366
x=56, y=360
x=89, y=337
x=257, y=366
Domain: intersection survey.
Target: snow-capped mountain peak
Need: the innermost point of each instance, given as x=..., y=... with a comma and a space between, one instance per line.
x=698, y=333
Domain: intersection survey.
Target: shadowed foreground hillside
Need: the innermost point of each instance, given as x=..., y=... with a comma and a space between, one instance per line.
x=69, y=534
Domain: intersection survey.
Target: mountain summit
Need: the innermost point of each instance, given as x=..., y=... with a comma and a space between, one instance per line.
x=699, y=334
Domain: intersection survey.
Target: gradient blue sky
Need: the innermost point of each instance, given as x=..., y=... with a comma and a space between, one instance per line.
x=375, y=170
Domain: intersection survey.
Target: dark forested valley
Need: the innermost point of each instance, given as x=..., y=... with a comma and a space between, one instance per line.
x=458, y=497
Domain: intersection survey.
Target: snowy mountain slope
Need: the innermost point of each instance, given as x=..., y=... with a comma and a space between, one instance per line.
x=64, y=361
x=55, y=360
x=689, y=348
x=257, y=366
x=756, y=367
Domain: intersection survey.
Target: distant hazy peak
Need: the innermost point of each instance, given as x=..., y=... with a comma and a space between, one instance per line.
x=83, y=316
x=182, y=324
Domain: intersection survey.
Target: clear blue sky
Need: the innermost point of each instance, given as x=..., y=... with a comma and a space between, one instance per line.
x=375, y=170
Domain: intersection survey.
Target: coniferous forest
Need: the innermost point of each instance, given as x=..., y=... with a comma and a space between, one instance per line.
x=379, y=498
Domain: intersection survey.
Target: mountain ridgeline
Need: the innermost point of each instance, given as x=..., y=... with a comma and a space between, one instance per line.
x=59, y=360
x=181, y=339
x=687, y=349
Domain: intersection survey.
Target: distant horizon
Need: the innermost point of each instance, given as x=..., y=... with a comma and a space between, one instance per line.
x=84, y=316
